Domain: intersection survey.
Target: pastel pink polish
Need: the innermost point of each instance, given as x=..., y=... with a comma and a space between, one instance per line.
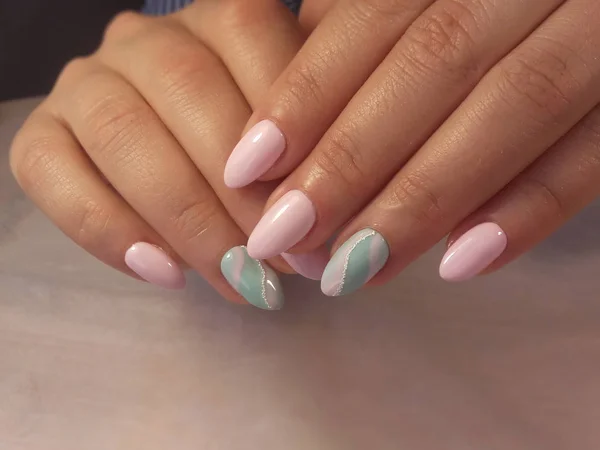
x=282, y=226
x=473, y=252
x=309, y=265
x=154, y=266
x=256, y=153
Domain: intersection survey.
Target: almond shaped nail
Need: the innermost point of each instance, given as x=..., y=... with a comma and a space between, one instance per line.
x=154, y=265
x=356, y=262
x=473, y=252
x=254, y=155
x=282, y=226
x=252, y=279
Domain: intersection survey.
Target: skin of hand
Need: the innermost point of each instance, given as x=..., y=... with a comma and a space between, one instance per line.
x=312, y=12
x=126, y=154
x=409, y=120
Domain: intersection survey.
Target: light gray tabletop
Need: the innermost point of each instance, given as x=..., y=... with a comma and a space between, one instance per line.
x=92, y=360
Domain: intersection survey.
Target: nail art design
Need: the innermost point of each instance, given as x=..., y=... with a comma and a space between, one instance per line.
x=154, y=265
x=358, y=260
x=252, y=279
x=254, y=155
x=473, y=252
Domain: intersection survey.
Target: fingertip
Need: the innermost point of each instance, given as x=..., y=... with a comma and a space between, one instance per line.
x=254, y=155
x=155, y=266
x=473, y=252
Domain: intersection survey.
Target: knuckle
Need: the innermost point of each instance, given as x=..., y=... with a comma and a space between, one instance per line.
x=303, y=84
x=543, y=193
x=74, y=71
x=182, y=70
x=33, y=160
x=404, y=73
x=411, y=193
x=236, y=14
x=369, y=12
x=93, y=223
x=116, y=125
x=536, y=85
x=442, y=42
x=191, y=218
x=181, y=66
x=181, y=85
x=125, y=25
x=340, y=160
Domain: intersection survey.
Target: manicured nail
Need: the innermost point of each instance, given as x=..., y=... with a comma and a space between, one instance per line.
x=473, y=252
x=309, y=265
x=358, y=260
x=282, y=226
x=256, y=153
x=154, y=266
x=252, y=279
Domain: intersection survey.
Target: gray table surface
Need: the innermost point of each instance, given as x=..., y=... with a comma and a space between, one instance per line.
x=90, y=359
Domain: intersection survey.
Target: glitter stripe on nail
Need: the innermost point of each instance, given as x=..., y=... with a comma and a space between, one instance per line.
x=358, y=260
x=256, y=281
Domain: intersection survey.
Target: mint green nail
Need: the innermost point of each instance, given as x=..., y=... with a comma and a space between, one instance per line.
x=358, y=260
x=254, y=280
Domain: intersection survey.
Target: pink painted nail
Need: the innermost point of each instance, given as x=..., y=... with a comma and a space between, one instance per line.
x=473, y=252
x=309, y=265
x=282, y=226
x=256, y=153
x=154, y=266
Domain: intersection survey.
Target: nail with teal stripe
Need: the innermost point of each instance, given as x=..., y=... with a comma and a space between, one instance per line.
x=254, y=280
x=358, y=260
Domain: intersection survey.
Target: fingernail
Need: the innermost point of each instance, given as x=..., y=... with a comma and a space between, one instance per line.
x=256, y=153
x=252, y=279
x=473, y=252
x=358, y=260
x=309, y=265
x=282, y=226
x=154, y=266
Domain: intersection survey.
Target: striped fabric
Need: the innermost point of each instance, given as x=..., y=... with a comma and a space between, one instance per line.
x=162, y=7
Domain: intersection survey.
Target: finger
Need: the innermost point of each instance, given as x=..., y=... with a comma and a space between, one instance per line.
x=313, y=11
x=255, y=40
x=521, y=108
x=53, y=170
x=350, y=42
x=145, y=164
x=531, y=207
x=195, y=96
x=439, y=60
x=176, y=74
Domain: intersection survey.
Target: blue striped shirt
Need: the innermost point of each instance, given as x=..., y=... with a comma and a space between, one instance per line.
x=162, y=7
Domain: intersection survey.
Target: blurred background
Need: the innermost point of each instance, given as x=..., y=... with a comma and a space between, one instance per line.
x=37, y=37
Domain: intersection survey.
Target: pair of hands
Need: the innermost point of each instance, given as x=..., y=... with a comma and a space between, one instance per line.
x=398, y=122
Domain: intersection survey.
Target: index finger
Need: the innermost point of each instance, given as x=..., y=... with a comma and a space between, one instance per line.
x=341, y=53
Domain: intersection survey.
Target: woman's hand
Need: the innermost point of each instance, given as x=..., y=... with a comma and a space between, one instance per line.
x=407, y=119
x=126, y=154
